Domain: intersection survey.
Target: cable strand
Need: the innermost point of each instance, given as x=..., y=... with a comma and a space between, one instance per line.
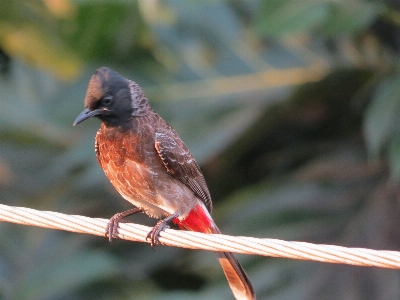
x=201, y=241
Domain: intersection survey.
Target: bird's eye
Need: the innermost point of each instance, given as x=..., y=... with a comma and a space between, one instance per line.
x=107, y=100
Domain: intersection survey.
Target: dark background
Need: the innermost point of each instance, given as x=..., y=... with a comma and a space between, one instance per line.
x=290, y=107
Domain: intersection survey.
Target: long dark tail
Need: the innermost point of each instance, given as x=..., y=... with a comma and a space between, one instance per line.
x=200, y=220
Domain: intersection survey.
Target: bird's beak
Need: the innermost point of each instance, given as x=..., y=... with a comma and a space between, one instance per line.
x=86, y=114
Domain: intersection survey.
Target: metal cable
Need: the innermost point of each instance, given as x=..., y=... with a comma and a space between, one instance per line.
x=213, y=242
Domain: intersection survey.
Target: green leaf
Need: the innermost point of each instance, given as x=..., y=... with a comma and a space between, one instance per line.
x=382, y=115
x=282, y=17
x=279, y=17
x=351, y=17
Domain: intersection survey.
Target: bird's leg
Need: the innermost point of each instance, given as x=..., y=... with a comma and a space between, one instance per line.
x=154, y=234
x=112, y=225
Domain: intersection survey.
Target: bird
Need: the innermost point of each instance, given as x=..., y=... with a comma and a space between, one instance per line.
x=151, y=167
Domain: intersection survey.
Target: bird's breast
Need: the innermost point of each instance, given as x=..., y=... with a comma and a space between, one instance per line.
x=132, y=164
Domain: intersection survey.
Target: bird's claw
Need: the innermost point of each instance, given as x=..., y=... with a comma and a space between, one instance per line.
x=112, y=226
x=154, y=233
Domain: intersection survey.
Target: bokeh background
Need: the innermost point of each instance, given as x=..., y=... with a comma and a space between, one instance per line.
x=290, y=107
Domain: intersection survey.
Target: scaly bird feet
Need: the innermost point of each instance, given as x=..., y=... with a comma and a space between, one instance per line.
x=154, y=233
x=112, y=225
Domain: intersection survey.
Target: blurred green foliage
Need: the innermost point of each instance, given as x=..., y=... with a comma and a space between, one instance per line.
x=291, y=108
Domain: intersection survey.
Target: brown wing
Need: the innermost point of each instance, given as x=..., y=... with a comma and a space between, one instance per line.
x=180, y=163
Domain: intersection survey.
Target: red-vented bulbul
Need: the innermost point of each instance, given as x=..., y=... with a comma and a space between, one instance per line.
x=151, y=167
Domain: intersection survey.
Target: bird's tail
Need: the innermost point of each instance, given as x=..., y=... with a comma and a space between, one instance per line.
x=200, y=220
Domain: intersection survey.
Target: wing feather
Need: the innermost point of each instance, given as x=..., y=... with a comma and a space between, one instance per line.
x=180, y=163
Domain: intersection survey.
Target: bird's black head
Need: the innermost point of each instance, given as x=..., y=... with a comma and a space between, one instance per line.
x=112, y=98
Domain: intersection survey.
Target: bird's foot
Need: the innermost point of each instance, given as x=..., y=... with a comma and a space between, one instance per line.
x=154, y=233
x=112, y=225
